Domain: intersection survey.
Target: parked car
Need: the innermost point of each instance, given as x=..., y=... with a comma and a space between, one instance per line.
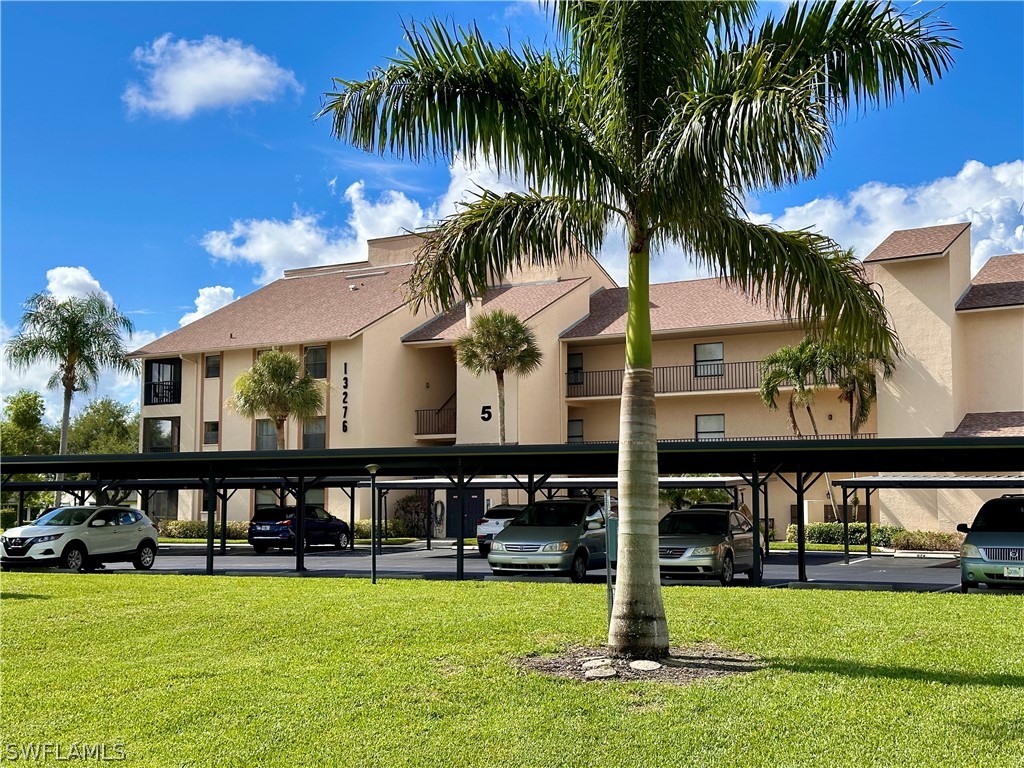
x=81, y=538
x=494, y=521
x=275, y=527
x=993, y=551
x=562, y=536
x=706, y=542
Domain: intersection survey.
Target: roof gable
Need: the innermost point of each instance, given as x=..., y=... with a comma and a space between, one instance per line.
x=999, y=283
x=306, y=305
x=915, y=243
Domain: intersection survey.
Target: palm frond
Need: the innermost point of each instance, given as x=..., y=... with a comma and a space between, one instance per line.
x=862, y=54
x=454, y=93
x=495, y=234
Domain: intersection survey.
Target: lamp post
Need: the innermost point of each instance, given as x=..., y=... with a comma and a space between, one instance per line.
x=372, y=469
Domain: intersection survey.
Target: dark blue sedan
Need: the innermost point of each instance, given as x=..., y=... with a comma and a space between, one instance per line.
x=275, y=527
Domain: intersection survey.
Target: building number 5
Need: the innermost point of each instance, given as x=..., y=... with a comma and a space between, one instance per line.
x=485, y=413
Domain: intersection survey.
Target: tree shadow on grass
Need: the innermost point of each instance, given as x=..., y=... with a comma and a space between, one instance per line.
x=846, y=668
x=22, y=596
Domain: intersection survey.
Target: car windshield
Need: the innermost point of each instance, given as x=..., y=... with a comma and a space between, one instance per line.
x=694, y=523
x=1001, y=516
x=65, y=516
x=551, y=515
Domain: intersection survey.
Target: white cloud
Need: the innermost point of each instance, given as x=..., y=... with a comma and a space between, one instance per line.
x=209, y=300
x=990, y=197
x=63, y=282
x=184, y=76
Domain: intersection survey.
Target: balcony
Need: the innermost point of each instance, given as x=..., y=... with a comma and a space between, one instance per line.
x=674, y=379
x=435, y=422
x=162, y=393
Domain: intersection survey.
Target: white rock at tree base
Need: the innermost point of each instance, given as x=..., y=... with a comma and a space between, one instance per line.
x=643, y=665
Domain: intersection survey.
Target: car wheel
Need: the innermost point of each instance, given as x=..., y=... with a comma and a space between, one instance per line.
x=73, y=557
x=578, y=569
x=965, y=587
x=485, y=550
x=750, y=573
x=728, y=573
x=341, y=540
x=145, y=556
x=259, y=549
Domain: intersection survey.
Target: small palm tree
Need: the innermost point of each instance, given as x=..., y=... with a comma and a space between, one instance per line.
x=276, y=385
x=855, y=372
x=804, y=368
x=499, y=342
x=80, y=336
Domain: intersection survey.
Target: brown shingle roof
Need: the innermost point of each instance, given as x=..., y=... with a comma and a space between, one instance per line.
x=675, y=306
x=997, y=424
x=311, y=307
x=524, y=301
x=1000, y=283
x=910, y=243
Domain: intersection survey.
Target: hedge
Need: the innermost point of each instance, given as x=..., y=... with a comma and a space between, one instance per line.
x=196, y=529
x=832, y=533
x=928, y=541
x=8, y=518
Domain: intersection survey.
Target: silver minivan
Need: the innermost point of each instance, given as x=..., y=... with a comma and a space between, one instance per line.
x=993, y=551
x=558, y=536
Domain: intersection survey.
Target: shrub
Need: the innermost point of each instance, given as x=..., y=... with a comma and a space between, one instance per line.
x=362, y=530
x=196, y=529
x=8, y=518
x=409, y=516
x=832, y=533
x=396, y=529
x=928, y=540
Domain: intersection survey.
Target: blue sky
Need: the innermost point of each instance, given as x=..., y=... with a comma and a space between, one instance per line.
x=166, y=153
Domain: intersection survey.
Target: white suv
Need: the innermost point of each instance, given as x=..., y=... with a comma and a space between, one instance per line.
x=79, y=538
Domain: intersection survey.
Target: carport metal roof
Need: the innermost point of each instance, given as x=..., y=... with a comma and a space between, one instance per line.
x=932, y=481
x=438, y=483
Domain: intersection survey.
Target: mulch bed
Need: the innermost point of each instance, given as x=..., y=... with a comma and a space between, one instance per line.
x=682, y=666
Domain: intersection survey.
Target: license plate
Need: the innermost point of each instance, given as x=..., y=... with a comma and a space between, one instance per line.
x=1014, y=571
x=520, y=561
x=262, y=527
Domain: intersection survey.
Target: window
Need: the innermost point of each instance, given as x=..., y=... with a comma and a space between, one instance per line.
x=711, y=426
x=267, y=499
x=163, y=382
x=709, y=359
x=211, y=432
x=160, y=435
x=316, y=362
x=266, y=435
x=314, y=433
x=574, y=433
x=574, y=369
x=213, y=366
x=163, y=505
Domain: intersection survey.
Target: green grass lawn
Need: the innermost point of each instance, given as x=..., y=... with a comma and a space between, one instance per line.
x=199, y=671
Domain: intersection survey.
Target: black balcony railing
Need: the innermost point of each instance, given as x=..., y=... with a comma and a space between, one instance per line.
x=163, y=392
x=435, y=421
x=704, y=377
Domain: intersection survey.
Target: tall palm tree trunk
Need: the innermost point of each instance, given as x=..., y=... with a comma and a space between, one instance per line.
x=792, y=419
x=279, y=426
x=828, y=476
x=500, y=376
x=65, y=425
x=638, y=626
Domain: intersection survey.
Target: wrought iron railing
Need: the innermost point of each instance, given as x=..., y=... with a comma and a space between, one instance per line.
x=435, y=421
x=703, y=377
x=163, y=392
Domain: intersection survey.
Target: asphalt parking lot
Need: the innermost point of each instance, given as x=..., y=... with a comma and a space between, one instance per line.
x=824, y=569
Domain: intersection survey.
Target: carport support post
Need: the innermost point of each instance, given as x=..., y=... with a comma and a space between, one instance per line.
x=300, y=524
x=755, y=500
x=801, y=542
x=846, y=525
x=223, y=522
x=21, y=507
x=867, y=518
x=352, y=519
x=211, y=493
x=460, y=544
x=372, y=469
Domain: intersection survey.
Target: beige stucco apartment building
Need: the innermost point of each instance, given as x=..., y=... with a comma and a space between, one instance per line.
x=393, y=380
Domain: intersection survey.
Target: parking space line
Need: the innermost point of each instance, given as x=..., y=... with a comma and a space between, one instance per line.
x=860, y=560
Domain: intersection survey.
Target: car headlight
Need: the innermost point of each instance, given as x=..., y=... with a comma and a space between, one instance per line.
x=497, y=546
x=556, y=546
x=704, y=550
x=969, y=550
x=50, y=537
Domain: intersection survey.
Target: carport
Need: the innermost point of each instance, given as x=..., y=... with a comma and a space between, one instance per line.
x=925, y=482
x=755, y=461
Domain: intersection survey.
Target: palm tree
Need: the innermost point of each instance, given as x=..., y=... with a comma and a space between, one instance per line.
x=80, y=336
x=498, y=341
x=659, y=117
x=277, y=386
x=855, y=372
x=804, y=368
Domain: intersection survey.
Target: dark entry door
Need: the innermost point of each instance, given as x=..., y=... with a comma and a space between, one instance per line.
x=474, y=511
